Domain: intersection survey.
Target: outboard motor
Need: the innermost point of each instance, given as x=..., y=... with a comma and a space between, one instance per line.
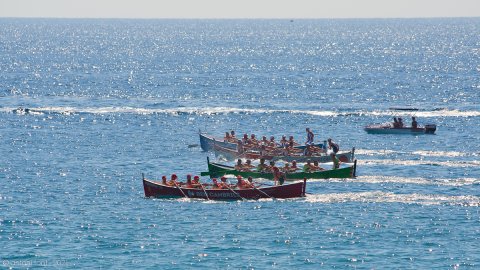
x=430, y=128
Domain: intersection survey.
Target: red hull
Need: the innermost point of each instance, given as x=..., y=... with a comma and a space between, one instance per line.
x=156, y=189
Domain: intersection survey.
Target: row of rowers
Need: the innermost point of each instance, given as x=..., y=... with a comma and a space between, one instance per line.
x=309, y=166
x=195, y=182
x=252, y=141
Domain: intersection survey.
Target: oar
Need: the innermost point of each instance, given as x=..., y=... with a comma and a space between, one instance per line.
x=235, y=193
x=175, y=183
x=205, y=192
x=261, y=191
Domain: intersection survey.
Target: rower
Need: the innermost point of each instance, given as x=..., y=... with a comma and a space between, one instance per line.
x=173, y=180
x=189, y=181
x=196, y=181
x=164, y=180
x=239, y=165
x=240, y=182
x=262, y=167
x=215, y=183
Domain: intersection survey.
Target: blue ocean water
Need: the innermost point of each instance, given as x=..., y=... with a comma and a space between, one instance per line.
x=112, y=99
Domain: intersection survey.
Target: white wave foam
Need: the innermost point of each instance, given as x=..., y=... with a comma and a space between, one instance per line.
x=462, y=164
x=389, y=197
x=378, y=179
x=228, y=110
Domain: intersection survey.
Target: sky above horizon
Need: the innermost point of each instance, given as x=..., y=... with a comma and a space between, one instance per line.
x=239, y=9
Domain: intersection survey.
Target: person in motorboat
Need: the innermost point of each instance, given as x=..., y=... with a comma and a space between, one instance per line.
x=400, y=122
x=332, y=145
x=414, y=122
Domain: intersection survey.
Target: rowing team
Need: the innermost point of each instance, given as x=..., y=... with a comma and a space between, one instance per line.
x=195, y=183
x=264, y=168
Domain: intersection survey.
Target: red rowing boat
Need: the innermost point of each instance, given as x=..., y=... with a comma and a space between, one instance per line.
x=159, y=190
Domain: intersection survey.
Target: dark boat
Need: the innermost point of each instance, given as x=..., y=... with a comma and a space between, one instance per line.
x=387, y=128
x=158, y=190
x=218, y=170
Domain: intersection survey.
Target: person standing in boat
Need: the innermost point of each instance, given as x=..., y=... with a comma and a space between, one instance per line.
x=336, y=161
x=332, y=145
x=240, y=148
x=414, y=122
x=278, y=176
x=310, y=136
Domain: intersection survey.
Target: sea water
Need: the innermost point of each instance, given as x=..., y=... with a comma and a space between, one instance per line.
x=87, y=106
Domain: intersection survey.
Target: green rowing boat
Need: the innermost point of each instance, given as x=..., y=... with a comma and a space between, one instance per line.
x=216, y=170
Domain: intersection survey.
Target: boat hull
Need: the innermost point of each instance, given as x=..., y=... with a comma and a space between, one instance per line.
x=208, y=142
x=219, y=170
x=158, y=190
x=405, y=130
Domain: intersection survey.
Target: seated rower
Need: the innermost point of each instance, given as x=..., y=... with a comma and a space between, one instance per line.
x=294, y=167
x=173, y=180
x=272, y=142
x=253, y=140
x=291, y=150
x=291, y=140
x=215, y=185
x=239, y=165
x=286, y=167
x=264, y=141
x=189, y=181
x=248, y=166
x=262, y=167
x=196, y=181
x=249, y=183
x=316, y=166
x=224, y=184
x=245, y=139
x=227, y=137
x=240, y=182
x=232, y=135
x=283, y=142
x=308, y=166
x=164, y=180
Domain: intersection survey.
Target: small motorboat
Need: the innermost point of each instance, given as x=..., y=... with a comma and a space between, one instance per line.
x=388, y=128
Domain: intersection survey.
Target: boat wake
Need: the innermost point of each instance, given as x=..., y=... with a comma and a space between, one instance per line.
x=461, y=164
x=379, y=179
x=390, y=197
x=422, y=153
